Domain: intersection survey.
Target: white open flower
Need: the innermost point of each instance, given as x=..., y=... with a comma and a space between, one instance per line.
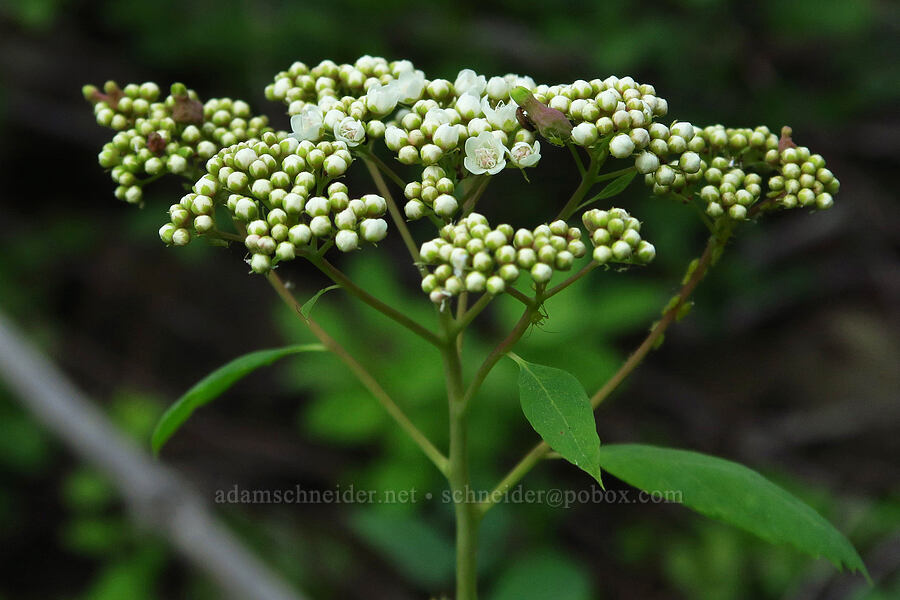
x=469, y=82
x=350, y=131
x=503, y=117
x=524, y=155
x=308, y=124
x=410, y=86
x=484, y=154
x=382, y=99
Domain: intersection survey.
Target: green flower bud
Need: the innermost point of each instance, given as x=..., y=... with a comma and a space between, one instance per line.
x=453, y=285
x=621, y=146
x=320, y=226
x=181, y=237
x=166, y=233
x=737, y=212
x=495, y=285
x=300, y=235
x=373, y=230
x=621, y=250
x=260, y=263
x=646, y=252
x=824, y=201
x=475, y=282
x=345, y=240
x=445, y=206
x=602, y=254
x=526, y=258
x=541, y=272
x=689, y=162
x=285, y=251
x=646, y=162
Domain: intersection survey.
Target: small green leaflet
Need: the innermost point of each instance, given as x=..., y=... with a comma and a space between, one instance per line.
x=560, y=411
x=725, y=490
x=307, y=307
x=613, y=188
x=215, y=384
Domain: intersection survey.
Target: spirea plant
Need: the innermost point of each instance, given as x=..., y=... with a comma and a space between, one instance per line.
x=433, y=148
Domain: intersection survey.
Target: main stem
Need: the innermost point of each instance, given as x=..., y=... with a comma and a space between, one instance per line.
x=465, y=506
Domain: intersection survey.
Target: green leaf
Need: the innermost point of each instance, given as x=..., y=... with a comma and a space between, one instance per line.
x=414, y=546
x=543, y=576
x=613, y=188
x=732, y=493
x=558, y=408
x=308, y=305
x=215, y=384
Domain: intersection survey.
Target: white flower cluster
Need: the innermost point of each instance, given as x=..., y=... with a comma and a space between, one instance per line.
x=174, y=135
x=420, y=120
x=280, y=189
x=471, y=256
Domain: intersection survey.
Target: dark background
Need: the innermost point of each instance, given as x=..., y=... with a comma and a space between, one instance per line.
x=788, y=362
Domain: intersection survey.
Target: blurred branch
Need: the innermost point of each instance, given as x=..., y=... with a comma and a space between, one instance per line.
x=159, y=499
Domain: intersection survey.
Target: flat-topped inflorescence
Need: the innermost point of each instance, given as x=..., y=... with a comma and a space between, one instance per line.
x=448, y=138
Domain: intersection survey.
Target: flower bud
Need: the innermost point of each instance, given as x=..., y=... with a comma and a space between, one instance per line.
x=446, y=136
x=621, y=146
x=445, y=206
x=689, y=162
x=285, y=251
x=646, y=252
x=541, y=273
x=585, y=134
x=495, y=285
x=345, y=240
x=431, y=154
x=181, y=237
x=373, y=230
x=621, y=250
x=414, y=210
x=646, y=162
x=475, y=282
x=260, y=263
x=320, y=226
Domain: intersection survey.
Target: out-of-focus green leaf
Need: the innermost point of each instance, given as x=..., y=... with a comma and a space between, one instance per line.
x=541, y=577
x=215, y=384
x=307, y=307
x=414, y=547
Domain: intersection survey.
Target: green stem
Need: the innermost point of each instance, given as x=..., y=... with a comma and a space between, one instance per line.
x=584, y=271
x=695, y=275
x=392, y=313
x=396, y=216
x=369, y=382
x=468, y=316
x=587, y=181
x=578, y=162
x=465, y=505
x=471, y=199
x=502, y=348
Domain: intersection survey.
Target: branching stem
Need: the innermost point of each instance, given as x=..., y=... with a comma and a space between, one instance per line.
x=369, y=382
